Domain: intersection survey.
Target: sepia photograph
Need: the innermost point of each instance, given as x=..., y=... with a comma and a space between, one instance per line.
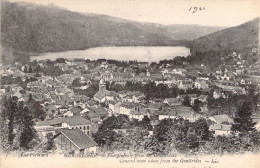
x=130, y=83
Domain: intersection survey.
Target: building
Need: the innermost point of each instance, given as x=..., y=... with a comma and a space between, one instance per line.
x=102, y=112
x=127, y=108
x=173, y=101
x=74, y=122
x=74, y=141
x=217, y=94
x=102, y=85
x=42, y=131
x=185, y=84
x=180, y=112
x=192, y=97
x=201, y=84
x=220, y=129
x=104, y=95
x=114, y=107
x=203, y=98
x=220, y=119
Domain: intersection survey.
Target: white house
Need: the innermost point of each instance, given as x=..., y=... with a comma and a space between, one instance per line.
x=220, y=129
x=220, y=119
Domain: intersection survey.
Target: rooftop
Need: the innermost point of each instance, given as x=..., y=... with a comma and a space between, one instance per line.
x=222, y=118
x=78, y=138
x=102, y=93
x=72, y=121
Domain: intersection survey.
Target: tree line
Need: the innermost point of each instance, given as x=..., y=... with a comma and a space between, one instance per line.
x=119, y=133
x=17, y=125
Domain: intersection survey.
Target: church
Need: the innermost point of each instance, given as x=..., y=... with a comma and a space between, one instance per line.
x=104, y=95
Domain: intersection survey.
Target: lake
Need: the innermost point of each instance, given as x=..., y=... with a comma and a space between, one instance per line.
x=143, y=53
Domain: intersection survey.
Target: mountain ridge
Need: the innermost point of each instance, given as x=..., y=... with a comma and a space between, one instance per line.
x=30, y=28
x=49, y=28
x=238, y=38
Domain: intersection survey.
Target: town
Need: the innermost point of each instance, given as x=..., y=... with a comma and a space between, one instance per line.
x=78, y=106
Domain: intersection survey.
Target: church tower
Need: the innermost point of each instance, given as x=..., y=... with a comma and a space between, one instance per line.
x=102, y=85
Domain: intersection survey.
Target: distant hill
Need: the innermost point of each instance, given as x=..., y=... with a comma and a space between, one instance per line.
x=29, y=28
x=176, y=31
x=240, y=38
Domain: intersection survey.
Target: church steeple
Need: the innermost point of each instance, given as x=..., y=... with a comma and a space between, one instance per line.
x=102, y=85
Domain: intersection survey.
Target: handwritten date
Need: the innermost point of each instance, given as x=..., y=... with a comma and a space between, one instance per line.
x=194, y=9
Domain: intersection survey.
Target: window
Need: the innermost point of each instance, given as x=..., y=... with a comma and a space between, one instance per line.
x=84, y=127
x=88, y=133
x=79, y=127
x=88, y=127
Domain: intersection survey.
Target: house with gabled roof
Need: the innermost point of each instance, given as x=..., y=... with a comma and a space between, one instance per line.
x=220, y=119
x=105, y=95
x=92, y=116
x=114, y=107
x=74, y=141
x=102, y=112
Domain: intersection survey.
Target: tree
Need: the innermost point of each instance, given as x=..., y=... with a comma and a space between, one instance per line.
x=201, y=128
x=36, y=108
x=115, y=122
x=161, y=130
x=9, y=112
x=105, y=138
x=243, y=121
x=150, y=90
x=146, y=123
x=39, y=112
x=38, y=69
x=60, y=60
x=162, y=91
x=16, y=116
x=137, y=138
x=50, y=144
x=30, y=69
x=170, y=134
x=115, y=87
x=197, y=105
x=92, y=89
x=76, y=83
x=186, y=101
x=28, y=132
x=25, y=69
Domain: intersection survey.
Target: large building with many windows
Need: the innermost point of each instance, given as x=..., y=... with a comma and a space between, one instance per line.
x=75, y=122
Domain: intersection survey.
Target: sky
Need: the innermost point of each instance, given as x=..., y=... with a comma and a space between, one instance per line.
x=216, y=13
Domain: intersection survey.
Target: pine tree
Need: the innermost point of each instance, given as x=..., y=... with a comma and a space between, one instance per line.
x=30, y=100
x=197, y=105
x=243, y=121
x=10, y=110
x=15, y=116
x=146, y=123
x=28, y=132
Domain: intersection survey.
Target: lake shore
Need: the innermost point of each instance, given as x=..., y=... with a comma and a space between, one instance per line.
x=143, y=53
